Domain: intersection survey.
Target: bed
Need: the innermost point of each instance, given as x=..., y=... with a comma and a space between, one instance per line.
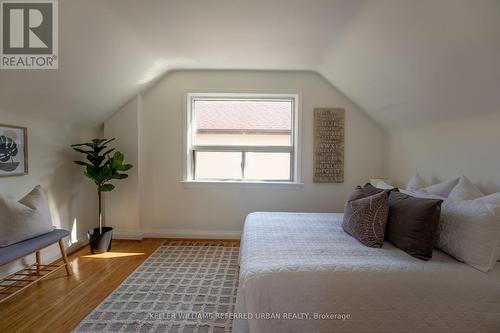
x=299, y=272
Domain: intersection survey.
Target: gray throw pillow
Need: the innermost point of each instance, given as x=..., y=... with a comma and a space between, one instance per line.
x=365, y=215
x=24, y=219
x=413, y=223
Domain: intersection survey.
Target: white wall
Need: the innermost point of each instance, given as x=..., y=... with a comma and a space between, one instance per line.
x=122, y=204
x=72, y=199
x=171, y=209
x=443, y=151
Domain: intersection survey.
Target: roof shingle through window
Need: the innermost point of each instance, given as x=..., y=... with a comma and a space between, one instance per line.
x=232, y=115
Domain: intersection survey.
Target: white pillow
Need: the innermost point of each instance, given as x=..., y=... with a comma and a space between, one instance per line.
x=465, y=190
x=25, y=219
x=384, y=186
x=470, y=231
x=422, y=194
x=441, y=189
x=415, y=183
x=493, y=199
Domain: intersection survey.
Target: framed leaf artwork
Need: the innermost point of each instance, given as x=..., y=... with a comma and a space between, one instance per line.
x=13, y=150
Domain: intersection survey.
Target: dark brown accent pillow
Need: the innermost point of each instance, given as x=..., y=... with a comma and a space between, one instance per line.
x=413, y=224
x=363, y=192
x=365, y=215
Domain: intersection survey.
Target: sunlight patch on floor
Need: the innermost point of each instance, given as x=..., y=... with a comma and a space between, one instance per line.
x=108, y=255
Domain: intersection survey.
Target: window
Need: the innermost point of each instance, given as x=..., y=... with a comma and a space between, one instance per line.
x=242, y=137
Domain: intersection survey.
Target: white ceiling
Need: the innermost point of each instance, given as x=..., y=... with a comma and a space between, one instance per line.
x=405, y=62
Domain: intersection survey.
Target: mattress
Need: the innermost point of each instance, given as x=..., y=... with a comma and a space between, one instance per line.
x=301, y=272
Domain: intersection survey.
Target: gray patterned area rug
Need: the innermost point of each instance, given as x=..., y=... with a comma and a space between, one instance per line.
x=184, y=287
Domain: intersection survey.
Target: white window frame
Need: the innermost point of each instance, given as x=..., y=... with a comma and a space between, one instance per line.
x=294, y=149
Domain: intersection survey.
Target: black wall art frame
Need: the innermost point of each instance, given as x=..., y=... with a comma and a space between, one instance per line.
x=13, y=150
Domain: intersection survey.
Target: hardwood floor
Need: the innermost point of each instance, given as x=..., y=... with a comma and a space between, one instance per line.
x=59, y=303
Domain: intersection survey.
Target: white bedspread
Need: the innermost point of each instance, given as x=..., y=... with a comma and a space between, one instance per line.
x=294, y=265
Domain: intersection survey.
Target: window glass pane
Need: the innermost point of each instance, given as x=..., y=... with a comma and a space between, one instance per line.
x=267, y=166
x=243, y=122
x=218, y=165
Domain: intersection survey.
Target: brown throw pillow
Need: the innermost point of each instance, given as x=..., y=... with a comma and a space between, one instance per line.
x=413, y=224
x=363, y=192
x=365, y=215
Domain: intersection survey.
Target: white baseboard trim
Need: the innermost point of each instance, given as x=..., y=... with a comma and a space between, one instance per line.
x=189, y=233
x=174, y=233
x=76, y=246
x=130, y=234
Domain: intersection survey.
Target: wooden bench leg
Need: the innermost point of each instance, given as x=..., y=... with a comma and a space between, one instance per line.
x=65, y=257
x=38, y=262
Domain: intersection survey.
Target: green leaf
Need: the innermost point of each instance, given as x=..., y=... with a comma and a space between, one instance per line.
x=108, y=151
x=97, y=142
x=125, y=167
x=105, y=173
x=107, y=187
x=96, y=160
x=81, y=163
x=118, y=158
x=83, y=144
x=92, y=172
x=82, y=151
x=89, y=176
x=119, y=176
x=108, y=141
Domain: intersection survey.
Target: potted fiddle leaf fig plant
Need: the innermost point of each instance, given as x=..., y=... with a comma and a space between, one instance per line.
x=102, y=165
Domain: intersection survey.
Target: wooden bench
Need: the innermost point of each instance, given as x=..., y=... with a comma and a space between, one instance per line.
x=17, y=282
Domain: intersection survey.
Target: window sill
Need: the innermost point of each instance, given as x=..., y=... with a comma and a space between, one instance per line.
x=240, y=184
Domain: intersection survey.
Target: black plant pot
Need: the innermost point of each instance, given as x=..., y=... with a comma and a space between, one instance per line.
x=100, y=243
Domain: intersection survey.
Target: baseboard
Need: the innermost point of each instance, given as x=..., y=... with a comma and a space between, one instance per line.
x=128, y=234
x=174, y=233
x=76, y=246
x=189, y=233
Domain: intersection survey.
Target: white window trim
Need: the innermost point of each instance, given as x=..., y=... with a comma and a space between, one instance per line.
x=189, y=182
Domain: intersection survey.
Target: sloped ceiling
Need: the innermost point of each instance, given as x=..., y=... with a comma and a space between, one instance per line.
x=404, y=62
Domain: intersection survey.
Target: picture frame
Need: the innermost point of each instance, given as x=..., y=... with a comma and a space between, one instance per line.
x=329, y=142
x=13, y=150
